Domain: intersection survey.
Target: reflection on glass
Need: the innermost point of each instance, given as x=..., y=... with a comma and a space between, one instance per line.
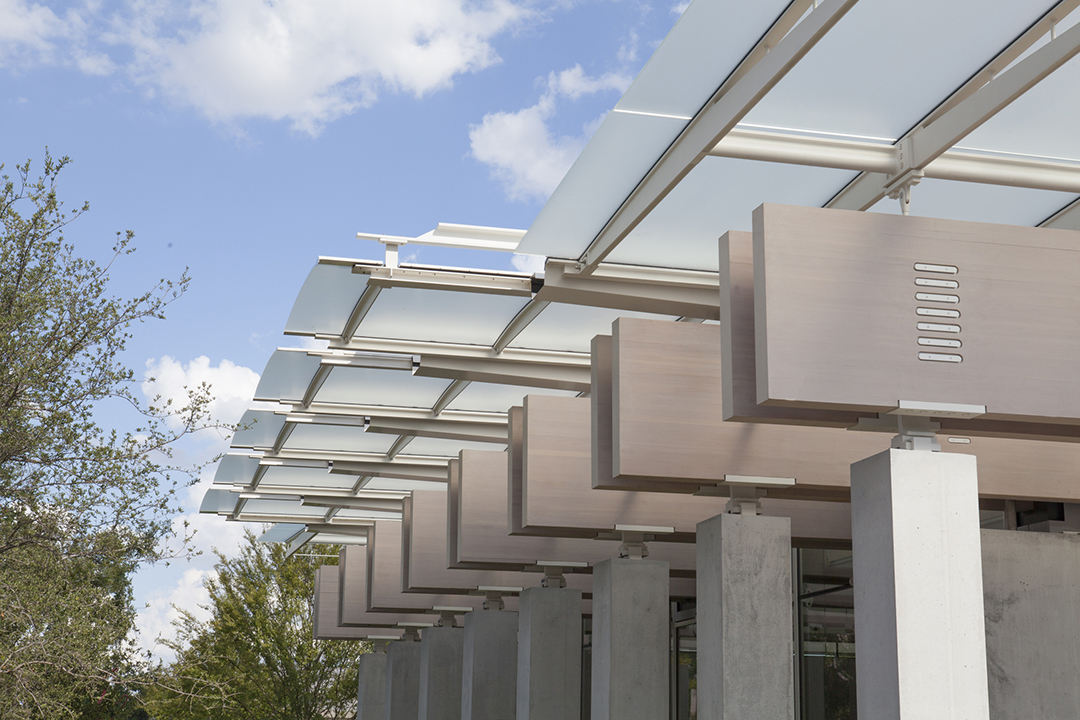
x=826, y=640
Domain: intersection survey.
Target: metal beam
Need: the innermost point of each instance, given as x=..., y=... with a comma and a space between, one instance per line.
x=425, y=347
x=521, y=321
x=470, y=237
x=494, y=283
x=360, y=310
x=980, y=99
x=346, y=410
x=561, y=376
x=447, y=429
x=772, y=60
x=452, y=391
x=968, y=165
x=693, y=295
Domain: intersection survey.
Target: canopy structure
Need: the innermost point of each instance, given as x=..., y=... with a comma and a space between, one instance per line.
x=593, y=401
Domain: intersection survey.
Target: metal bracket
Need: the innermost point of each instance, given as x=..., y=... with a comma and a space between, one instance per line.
x=745, y=500
x=554, y=570
x=493, y=596
x=900, y=189
x=634, y=538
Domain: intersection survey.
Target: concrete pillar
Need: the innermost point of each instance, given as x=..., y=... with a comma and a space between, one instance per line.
x=549, y=654
x=744, y=618
x=441, y=651
x=920, y=639
x=371, y=695
x=630, y=664
x=403, y=680
x=489, y=666
x=1031, y=588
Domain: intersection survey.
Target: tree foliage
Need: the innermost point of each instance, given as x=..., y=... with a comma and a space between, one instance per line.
x=81, y=506
x=255, y=657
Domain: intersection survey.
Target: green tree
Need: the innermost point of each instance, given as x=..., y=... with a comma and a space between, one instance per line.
x=81, y=505
x=256, y=657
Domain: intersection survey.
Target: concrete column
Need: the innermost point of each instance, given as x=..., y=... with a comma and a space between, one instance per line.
x=441, y=651
x=371, y=695
x=744, y=618
x=920, y=643
x=630, y=640
x=549, y=654
x=489, y=666
x=403, y=680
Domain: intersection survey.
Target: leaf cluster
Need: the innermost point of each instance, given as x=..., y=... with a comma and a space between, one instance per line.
x=81, y=505
x=256, y=657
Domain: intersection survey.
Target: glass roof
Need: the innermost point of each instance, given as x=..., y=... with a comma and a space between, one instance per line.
x=981, y=203
x=498, y=398
x=1042, y=121
x=571, y=327
x=367, y=386
x=719, y=195
x=879, y=71
x=337, y=438
x=453, y=317
x=326, y=300
x=886, y=65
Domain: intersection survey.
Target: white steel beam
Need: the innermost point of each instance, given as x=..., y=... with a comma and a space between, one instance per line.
x=771, y=61
x=519, y=323
x=467, y=431
x=979, y=100
x=561, y=376
x=359, y=311
x=968, y=165
x=691, y=294
x=470, y=237
x=424, y=347
x=452, y=391
x=495, y=283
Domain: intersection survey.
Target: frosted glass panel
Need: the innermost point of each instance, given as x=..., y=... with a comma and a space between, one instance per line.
x=568, y=327
x=885, y=65
x=609, y=168
x=705, y=46
x=326, y=300
x=719, y=195
x=446, y=448
x=498, y=398
x=980, y=202
x=1041, y=122
x=305, y=477
x=440, y=316
x=259, y=429
x=286, y=376
x=396, y=485
x=235, y=470
x=367, y=386
x=337, y=437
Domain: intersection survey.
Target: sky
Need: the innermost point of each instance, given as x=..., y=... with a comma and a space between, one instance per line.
x=241, y=139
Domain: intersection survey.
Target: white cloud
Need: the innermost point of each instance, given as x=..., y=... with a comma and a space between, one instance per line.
x=521, y=149
x=32, y=33
x=232, y=386
x=308, y=62
x=154, y=621
x=679, y=8
x=528, y=263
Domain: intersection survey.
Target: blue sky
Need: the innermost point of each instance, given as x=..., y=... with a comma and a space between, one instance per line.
x=243, y=138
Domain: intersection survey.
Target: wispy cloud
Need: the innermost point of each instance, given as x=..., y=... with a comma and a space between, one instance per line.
x=308, y=63
x=520, y=147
